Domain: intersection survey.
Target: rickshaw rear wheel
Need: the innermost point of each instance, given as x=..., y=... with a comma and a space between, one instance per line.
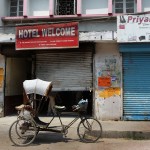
x=22, y=132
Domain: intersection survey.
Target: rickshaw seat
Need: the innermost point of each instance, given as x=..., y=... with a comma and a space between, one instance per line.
x=39, y=122
x=59, y=108
x=22, y=106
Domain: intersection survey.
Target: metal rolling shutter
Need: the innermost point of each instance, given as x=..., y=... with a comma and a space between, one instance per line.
x=71, y=70
x=136, y=86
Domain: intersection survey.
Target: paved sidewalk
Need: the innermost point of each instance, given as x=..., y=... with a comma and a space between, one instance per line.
x=111, y=129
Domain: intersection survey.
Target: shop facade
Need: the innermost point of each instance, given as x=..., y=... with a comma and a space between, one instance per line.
x=133, y=40
x=136, y=95
x=70, y=70
x=102, y=52
x=17, y=68
x=93, y=69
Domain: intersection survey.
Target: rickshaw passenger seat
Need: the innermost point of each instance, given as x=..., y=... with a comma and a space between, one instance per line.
x=40, y=122
x=22, y=106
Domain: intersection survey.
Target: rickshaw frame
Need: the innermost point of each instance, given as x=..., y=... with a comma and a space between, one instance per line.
x=28, y=120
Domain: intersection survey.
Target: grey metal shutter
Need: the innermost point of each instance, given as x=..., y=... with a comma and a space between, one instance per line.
x=136, y=86
x=69, y=70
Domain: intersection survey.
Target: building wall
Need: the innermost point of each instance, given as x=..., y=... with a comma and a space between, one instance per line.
x=98, y=26
x=145, y=5
x=3, y=9
x=28, y=7
x=108, y=82
x=2, y=72
x=88, y=7
x=96, y=7
x=36, y=8
x=8, y=34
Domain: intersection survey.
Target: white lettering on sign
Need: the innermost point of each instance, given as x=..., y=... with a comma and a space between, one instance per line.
x=70, y=31
x=28, y=33
x=48, y=32
x=57, y=32
x=73, y=31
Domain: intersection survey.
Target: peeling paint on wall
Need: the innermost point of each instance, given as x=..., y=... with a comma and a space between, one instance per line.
x=108, y=109
x=109, y=92
x=108, y=66
x=1, y=77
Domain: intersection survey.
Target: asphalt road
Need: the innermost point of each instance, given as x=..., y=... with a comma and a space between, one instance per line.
x=47, y=141
x=55, y=141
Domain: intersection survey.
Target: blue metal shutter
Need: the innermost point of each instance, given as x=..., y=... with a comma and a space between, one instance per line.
x=136, y=86
x=134, y=47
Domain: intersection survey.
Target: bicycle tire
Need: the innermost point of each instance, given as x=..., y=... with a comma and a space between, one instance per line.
x=22, y=132
x=89, y=130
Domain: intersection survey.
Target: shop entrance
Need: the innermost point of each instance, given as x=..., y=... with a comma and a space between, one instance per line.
x=71, y=72
x=68, y=99
x=17, y=70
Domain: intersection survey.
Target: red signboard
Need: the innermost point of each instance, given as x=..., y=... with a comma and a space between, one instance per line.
x=47, y=36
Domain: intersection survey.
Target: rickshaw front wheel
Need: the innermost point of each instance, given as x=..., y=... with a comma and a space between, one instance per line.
x=89, y=130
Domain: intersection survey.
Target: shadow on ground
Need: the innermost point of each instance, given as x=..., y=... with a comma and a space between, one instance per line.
x=48, y=138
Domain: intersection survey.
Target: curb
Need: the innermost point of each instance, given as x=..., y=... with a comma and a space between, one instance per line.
x=136, y=135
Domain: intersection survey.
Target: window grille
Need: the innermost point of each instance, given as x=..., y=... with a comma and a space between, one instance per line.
x=124, y=6
x=65, y=7
x=16, y=7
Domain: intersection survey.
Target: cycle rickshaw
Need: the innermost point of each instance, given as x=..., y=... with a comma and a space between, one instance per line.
x=24, y=130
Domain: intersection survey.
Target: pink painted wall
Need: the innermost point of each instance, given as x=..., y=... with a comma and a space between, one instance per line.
x=37, y=9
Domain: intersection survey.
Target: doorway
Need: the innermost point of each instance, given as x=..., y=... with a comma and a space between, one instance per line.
x=17, y=70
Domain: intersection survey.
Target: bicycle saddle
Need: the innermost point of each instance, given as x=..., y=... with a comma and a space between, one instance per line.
x=59, y=107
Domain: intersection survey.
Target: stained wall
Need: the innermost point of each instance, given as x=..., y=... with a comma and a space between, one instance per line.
x=108, y=82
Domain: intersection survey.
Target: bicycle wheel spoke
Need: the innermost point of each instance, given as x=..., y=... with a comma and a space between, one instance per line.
x=89, y=130
x=22, y=132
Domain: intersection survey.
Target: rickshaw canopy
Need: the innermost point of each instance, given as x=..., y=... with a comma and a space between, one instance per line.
x=37, y=86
